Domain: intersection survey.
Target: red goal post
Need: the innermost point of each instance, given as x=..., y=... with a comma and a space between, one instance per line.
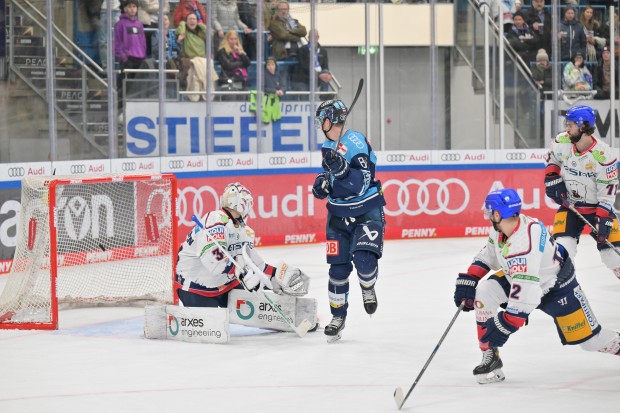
x=91, y=241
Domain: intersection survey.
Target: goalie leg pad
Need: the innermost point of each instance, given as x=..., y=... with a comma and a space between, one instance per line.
x=194, y=325
x=254, y=310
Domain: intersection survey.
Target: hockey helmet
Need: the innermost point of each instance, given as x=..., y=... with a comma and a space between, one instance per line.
x=580, y=114
x=505, y=201
x=238, y=198
x=334, y=110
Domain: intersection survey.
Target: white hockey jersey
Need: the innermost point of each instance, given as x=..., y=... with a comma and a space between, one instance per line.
x=590, y=176
x=530, y=262
x=201, y=260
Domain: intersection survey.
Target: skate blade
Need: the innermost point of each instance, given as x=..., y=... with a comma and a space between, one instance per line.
x=495, y=376
x=333, y=339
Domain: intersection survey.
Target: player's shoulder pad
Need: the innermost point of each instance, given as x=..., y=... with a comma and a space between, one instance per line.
x=562, y=137
x=218, y=217
x=353, y=143
x=603, y=154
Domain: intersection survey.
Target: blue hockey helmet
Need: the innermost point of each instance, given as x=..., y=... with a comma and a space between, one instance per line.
x=334, y=110
x=505, y=201
x=580, y=114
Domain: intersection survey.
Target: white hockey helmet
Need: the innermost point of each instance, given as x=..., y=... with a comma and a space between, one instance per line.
x=238, y=198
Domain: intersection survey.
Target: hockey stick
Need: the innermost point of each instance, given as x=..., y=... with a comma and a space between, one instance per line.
x=398, y=393
x=301, y=329
x=592, y=227
x=360, y=86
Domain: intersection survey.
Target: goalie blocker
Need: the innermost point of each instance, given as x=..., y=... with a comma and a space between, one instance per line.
x=211, y=325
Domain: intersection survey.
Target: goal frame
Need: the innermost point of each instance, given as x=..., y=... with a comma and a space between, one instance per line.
x=64, y=180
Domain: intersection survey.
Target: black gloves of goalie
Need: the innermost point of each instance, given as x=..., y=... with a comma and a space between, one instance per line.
x=465, y=291
x=555, y=188
x=335, y=164
x=321, y=187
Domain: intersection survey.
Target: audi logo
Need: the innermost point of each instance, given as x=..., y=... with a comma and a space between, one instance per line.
x=78, y=169
x=277, y=160
x=450, y=157
x=395, y=158
x=516, y=156
x=179, y=164
x=128, y=166
x=16, y=172
x=224, y=162
x=431, y=197
x=196, y=201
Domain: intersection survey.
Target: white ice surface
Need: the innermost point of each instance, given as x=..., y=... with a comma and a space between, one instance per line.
x=99, y=362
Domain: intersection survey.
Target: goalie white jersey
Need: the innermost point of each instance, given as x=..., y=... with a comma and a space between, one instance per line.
x=590, y=176
x=529, y=259
x=201, y=261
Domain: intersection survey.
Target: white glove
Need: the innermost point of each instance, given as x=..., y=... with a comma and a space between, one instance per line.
x=247, y=277
x=291, y=281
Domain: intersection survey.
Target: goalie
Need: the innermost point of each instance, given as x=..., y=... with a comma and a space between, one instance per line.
x=205, y=276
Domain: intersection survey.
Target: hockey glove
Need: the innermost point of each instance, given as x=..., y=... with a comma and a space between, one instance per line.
x=555, y=188
x=290, y=281
x=465, y=291
x=605, y=217
x=335, y=164
x=321, y=188
x=498, y=329
x=245, y=274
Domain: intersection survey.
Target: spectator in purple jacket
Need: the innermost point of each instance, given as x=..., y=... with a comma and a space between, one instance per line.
x=129, y=40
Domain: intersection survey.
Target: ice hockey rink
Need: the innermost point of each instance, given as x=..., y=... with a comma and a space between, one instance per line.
x=99, y=361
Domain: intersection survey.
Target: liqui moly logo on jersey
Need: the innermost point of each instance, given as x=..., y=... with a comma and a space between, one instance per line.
x=611, y=172
x=517, y=266
x=217, y=233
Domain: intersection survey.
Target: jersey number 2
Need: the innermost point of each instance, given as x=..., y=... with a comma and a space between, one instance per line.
x=516, y=289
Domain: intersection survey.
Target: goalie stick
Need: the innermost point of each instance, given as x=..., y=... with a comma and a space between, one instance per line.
x=592, y=227
x=399, y=398
x=302, y=328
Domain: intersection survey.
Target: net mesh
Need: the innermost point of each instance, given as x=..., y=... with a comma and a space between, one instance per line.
x=114, y=244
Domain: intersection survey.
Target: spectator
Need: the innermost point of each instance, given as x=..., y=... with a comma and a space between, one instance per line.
x=148, y=13
x=594, y=39
x=287, y=33
x=517, y=5
x=274, y=87
x=606, y=32
x=225, y=18
x=186, y=7
x=301, y=75
x=191, y=37
x=571, y=36
x=522, y=39
x=541, y=72
x=234, y=62
x=247, y=12
x=103, y=29
x=504, y=9
x=602, y=76
x=129, y=44
x=576, y=76
x=170, y=44
x=539, y=19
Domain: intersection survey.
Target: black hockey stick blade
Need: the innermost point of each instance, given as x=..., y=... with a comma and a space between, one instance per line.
x=399, y=396
x=360, y=86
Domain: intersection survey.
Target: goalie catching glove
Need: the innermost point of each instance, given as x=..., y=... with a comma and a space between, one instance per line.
x=285, y=280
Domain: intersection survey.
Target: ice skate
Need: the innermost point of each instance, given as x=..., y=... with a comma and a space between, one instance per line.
x=490, y=368
x=334, y=328
x=370, y=300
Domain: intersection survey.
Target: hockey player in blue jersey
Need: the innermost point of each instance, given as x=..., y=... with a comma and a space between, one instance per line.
x=355, y=219
x=536, y=273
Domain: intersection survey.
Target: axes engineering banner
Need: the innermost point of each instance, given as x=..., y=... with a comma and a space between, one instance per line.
x=420, y=204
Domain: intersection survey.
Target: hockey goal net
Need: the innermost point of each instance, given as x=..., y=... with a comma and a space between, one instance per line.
x=105, y=240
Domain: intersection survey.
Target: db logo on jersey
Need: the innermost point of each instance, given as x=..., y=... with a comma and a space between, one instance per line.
x=517, y=266
x=333, y=248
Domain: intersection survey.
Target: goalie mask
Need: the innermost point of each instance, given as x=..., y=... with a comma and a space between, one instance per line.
x=237, y=198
